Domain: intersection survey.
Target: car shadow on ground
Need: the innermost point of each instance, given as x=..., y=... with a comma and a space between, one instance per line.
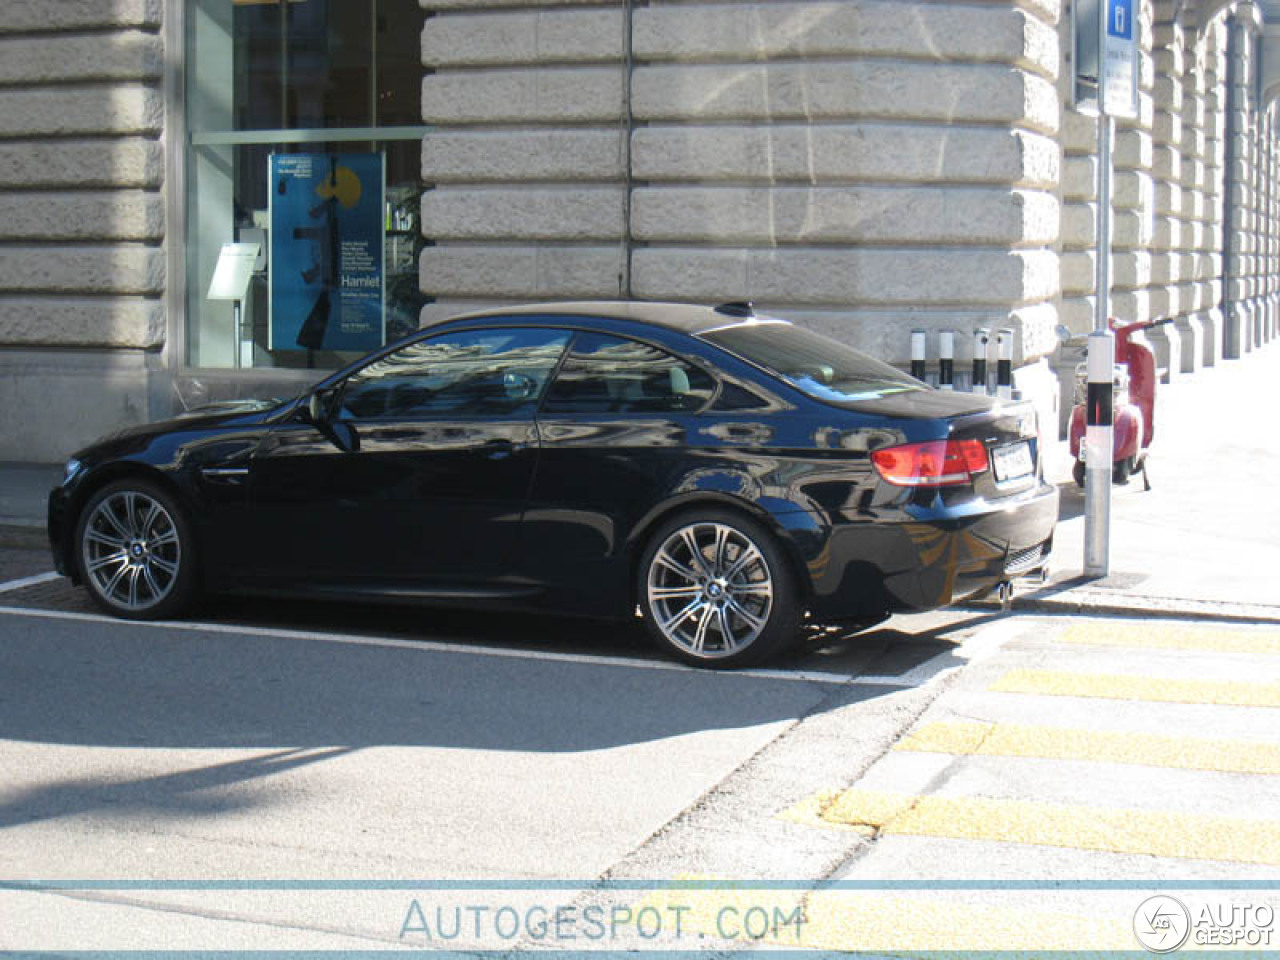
x=292, y=684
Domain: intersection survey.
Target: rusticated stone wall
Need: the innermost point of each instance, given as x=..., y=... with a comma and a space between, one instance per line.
x=865, y=166
x=82, y=218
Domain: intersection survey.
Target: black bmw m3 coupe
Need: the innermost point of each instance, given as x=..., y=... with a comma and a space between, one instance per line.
x=726, y=474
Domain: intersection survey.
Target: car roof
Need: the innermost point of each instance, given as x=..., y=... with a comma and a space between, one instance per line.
x=683, y=317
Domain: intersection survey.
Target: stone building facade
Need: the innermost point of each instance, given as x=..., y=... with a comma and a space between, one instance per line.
x=83, y=183
x=867, y=167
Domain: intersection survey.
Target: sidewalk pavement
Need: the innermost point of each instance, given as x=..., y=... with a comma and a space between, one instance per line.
x=1203, y=543
x=1205, y=540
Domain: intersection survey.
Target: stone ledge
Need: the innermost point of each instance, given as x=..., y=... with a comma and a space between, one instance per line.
x=840, y=276
x=446, y=5
x=890, y=90
x=82, y=164
x=535, y=95
x=881, y=152
x=523, y=37
x=495, y=156
x=525, y=213
x=63, y=111
x=855, y=28
x=871, y=215
x=523, y=272
x=128, y=269
x=18, y=16
x=82, y=322
x=131, y=55
x=121, y=215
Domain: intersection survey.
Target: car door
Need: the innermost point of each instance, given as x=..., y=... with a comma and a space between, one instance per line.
x=417, y=472
x=617, y=427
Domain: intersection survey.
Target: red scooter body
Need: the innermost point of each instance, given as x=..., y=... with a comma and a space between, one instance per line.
x=1134, y=413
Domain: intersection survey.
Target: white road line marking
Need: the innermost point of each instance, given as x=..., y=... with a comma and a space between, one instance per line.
x=432, y=646
x=980, y=646
x=28, y=581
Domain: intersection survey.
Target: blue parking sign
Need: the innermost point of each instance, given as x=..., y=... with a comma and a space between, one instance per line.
x=1120, y=18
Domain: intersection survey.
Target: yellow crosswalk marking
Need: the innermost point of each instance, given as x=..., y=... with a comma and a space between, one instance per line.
x=808, y=813
x=970, y=738
x=1170, y=636
x=1127, y=687
x=870, y=921
x=842, y=920
x=1144, y=832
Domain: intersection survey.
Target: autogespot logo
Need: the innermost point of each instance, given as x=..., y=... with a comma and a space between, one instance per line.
x=1162, y=924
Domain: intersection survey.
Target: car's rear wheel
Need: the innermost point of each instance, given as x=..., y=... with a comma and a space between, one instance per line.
x=715, y=589
x=135, y=551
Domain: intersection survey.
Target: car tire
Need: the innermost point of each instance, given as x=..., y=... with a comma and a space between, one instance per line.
x=135, y=551
x=716, y=590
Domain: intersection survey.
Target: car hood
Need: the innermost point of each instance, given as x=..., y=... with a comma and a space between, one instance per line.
x=233, y=413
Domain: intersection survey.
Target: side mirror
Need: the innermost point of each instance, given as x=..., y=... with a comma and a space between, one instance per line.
x=320, y=406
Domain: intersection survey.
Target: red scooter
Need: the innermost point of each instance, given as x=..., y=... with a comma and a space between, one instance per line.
x=1134, y=407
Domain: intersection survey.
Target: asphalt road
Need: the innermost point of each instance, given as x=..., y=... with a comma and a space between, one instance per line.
x=277, y=775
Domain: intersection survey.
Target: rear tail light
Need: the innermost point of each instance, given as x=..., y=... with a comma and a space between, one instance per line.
x=937, y=463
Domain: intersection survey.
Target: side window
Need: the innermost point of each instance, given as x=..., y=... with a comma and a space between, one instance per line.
x=606, y=374
x=467, y=373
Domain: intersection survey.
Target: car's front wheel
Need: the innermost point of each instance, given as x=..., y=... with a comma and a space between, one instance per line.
x=716, y=590
x=135, y=551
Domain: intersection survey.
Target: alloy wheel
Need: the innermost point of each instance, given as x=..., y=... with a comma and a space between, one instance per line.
x=131, y=550
x=710, y=590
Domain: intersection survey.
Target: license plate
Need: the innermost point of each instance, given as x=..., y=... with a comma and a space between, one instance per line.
x=1012, y=461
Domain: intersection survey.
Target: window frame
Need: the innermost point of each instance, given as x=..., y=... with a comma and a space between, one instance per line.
x=686, y=360
x=527, y=409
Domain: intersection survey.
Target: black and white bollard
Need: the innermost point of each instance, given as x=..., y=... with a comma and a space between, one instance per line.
x=946, y=360
x=1099, y=418
x=981, y=337
x=919, y=346
x=1004, y=364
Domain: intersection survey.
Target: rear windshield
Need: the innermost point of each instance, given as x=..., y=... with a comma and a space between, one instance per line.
x=823, y=368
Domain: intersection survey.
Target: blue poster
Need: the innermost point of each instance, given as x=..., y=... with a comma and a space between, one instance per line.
x=327, y=251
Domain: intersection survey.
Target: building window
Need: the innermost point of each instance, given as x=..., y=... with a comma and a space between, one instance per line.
x=303, y=163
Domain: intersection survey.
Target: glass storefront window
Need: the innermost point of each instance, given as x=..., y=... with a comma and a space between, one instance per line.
x=304, y=139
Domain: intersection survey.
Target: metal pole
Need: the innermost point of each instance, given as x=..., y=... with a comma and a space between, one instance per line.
x=1098, y=411
x=919, y=344
x=1004, y=364
x=946, y=359
x=980, y=338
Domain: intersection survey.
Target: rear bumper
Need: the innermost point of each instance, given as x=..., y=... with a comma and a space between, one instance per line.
x=933, y=558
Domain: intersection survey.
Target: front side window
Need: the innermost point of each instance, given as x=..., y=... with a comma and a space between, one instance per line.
x=607, y=374
x=472, y=373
